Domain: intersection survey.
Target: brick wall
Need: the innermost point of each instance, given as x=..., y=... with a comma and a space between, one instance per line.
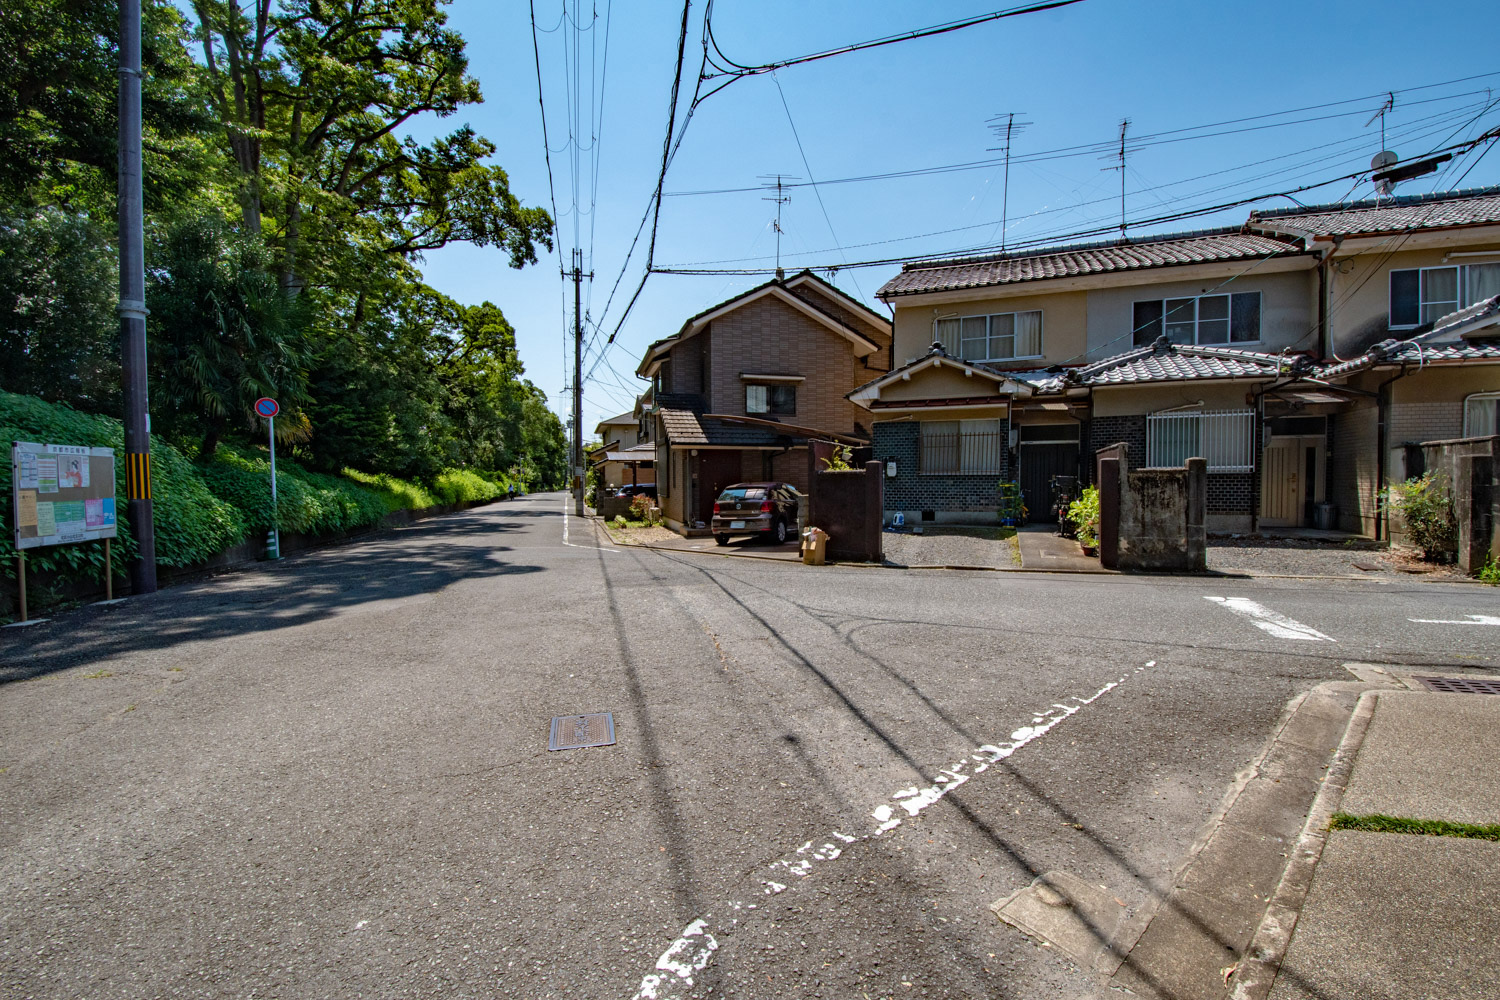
x=1105, y=431
x=910, y=490
x=1231, y=492
x=767, y=336
x=1426, y=421
x=1351, y=469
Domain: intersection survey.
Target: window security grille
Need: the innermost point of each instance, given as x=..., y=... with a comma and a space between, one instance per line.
x=1223, y=438
x=961, y=447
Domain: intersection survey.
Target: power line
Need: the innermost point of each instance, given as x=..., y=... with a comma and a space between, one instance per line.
x=736, y=69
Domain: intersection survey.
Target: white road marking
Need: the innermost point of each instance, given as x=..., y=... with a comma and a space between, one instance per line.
x=694, y=948
x=1477, y=620
x=1270, y=621
x=567, y=499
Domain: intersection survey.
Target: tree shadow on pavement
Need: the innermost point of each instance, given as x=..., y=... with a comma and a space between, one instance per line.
x=293, y=592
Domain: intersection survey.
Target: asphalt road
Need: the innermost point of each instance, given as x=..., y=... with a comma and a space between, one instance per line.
x=329, y=777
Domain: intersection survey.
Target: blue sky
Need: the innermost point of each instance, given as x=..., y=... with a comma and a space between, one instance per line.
x=1073, y=73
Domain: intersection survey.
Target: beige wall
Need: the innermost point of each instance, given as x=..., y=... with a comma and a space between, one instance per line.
x=1064, y=316
x=1360, y=284
x=939, y=383
x=1130, y=400
x=1287, y=310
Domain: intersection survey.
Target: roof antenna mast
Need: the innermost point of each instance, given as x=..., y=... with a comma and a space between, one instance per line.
x=1011, y=128
x=780, y=198
x=1120, y=166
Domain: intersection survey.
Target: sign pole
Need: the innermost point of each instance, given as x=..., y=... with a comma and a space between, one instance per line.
x=273, y=546
x=21, y=578
x=109, y=575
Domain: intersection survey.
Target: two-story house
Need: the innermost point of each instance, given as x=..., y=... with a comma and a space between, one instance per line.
x=739, y=390
x=1020, y=366
x=626, y=452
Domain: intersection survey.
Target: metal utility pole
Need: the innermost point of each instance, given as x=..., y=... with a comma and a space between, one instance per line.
x=578, y=382
x=132, y=306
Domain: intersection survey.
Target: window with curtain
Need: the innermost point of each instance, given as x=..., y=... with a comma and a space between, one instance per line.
x=961, y=447
x=1202, y=319
x=996, y=337
x=1482, y=414
x=1422, y=295
x=781, y=399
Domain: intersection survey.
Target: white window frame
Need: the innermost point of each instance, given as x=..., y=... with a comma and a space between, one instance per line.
x=1197, y=319
x=957, y=338
x=1229, y=434
x=1479, y=397
x=1461, y=289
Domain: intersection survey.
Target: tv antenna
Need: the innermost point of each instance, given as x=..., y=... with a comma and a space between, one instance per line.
x=1120, y=166
x=780, y=198
x=1011, y=129
x=1390, y=103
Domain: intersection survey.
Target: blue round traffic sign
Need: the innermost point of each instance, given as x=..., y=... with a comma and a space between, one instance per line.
x=266, y=407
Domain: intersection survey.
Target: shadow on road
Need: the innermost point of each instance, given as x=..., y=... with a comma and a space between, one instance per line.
x=297, y=591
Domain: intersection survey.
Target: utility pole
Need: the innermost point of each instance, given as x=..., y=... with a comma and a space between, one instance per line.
x=1012, y=127
x=1120, y=166
x=578, y=476
x=132, y=308
x=780, y=199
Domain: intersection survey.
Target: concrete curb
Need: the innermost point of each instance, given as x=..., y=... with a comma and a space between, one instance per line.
x=1258, y=970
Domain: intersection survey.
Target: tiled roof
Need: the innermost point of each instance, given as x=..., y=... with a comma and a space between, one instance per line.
x=1448, y=340
x=685, y=427
x=1083, y=259
x=1480, y=206
x=1165, y=362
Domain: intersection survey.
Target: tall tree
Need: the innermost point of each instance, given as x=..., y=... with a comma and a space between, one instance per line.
x=314, y=96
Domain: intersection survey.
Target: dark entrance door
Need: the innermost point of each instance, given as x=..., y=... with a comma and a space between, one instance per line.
x=716, y=470
x=1047, y=450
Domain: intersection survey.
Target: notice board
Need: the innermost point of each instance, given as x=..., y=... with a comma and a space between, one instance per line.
x=61, y=493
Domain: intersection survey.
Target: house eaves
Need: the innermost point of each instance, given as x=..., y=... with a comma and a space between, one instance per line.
x=937, y=357
x=863, y=346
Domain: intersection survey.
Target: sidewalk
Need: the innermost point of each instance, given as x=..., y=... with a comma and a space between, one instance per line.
x=1401, y=915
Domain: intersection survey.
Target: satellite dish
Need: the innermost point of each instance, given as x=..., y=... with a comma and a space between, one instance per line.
x=1384, y=160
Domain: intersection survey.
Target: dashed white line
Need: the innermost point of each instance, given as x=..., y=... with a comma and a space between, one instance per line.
x=694, y=948
x=1270, y=621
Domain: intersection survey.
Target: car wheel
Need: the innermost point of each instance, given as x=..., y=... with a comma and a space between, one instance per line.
x=722, y=539
x=779, y=532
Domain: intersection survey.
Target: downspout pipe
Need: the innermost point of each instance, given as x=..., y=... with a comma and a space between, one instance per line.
x=1382, y=406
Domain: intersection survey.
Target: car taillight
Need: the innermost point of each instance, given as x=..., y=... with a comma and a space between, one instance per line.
x=765, y=506
x=716, y=508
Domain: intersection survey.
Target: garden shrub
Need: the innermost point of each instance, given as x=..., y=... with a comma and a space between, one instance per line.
x=192, y=523
x=310, y=503
x=640, y=508
x=1427, y=508
x=1084, y=513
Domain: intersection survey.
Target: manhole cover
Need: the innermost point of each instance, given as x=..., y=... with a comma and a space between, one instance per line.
x=1459, y=685
x=569, y=732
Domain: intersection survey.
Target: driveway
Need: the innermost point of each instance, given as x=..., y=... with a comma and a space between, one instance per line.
x=329, y=777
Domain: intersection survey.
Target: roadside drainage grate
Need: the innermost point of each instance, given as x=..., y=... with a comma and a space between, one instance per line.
x=1459, y=685
x=570, y=732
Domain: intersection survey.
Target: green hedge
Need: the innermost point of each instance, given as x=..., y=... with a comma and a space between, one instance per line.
x=396, y=494
x=466, y=486
x=192, y=524
x=309, y=503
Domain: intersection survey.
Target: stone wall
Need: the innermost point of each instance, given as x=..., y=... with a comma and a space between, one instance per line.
x=848, y=505
x=1162, y=518
x=1470, y=465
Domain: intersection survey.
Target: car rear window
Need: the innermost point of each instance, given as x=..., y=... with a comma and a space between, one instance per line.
x=753, y=493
